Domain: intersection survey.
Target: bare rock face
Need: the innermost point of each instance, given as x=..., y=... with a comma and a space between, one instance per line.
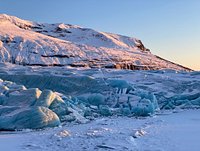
x=140, y=45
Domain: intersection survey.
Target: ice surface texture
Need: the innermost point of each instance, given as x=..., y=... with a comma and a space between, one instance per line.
x=31, y=108
x=30, y=117
x=80, y=95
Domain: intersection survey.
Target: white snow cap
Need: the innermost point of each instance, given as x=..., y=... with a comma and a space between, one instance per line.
x=30, y=43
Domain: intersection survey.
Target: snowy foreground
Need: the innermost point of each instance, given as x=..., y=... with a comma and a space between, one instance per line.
x=165, y=132
x=64, y=108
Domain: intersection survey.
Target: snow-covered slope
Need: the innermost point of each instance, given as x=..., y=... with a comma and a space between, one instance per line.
x=30, y=43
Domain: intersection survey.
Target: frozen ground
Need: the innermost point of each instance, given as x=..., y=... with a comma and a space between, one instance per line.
x=165, y=132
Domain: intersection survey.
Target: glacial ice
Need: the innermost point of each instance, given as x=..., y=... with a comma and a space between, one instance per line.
x=96, y=99
x=7, y=109
x=30, y=117
x=143, y=108
x=121, y=85
x=59, y=107
x=46, y=98
x=71, y=84
x=183, y=101
x=81, y=97
x=105, y=110
x=32, y=108
x=21, y=98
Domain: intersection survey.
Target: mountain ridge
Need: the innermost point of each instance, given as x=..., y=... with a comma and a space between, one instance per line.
x=31, y=43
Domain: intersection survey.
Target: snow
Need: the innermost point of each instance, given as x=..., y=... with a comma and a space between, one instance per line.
x=105, y=121
x=82, y=106
x=80, y=95
x=29, y=43
x=167, y=131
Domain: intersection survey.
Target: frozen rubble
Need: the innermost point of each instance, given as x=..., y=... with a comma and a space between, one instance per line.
x=35, y=109
x=52, y=96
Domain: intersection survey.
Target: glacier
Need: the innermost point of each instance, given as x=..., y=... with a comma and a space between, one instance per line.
x=63, y=85
x=52, y=96
x=28, y=118
x=53, y=74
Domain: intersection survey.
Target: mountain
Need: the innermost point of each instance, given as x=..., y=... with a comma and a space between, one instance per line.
x=30, y=43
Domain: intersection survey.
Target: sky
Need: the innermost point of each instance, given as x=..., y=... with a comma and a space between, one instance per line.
x=169, y=28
